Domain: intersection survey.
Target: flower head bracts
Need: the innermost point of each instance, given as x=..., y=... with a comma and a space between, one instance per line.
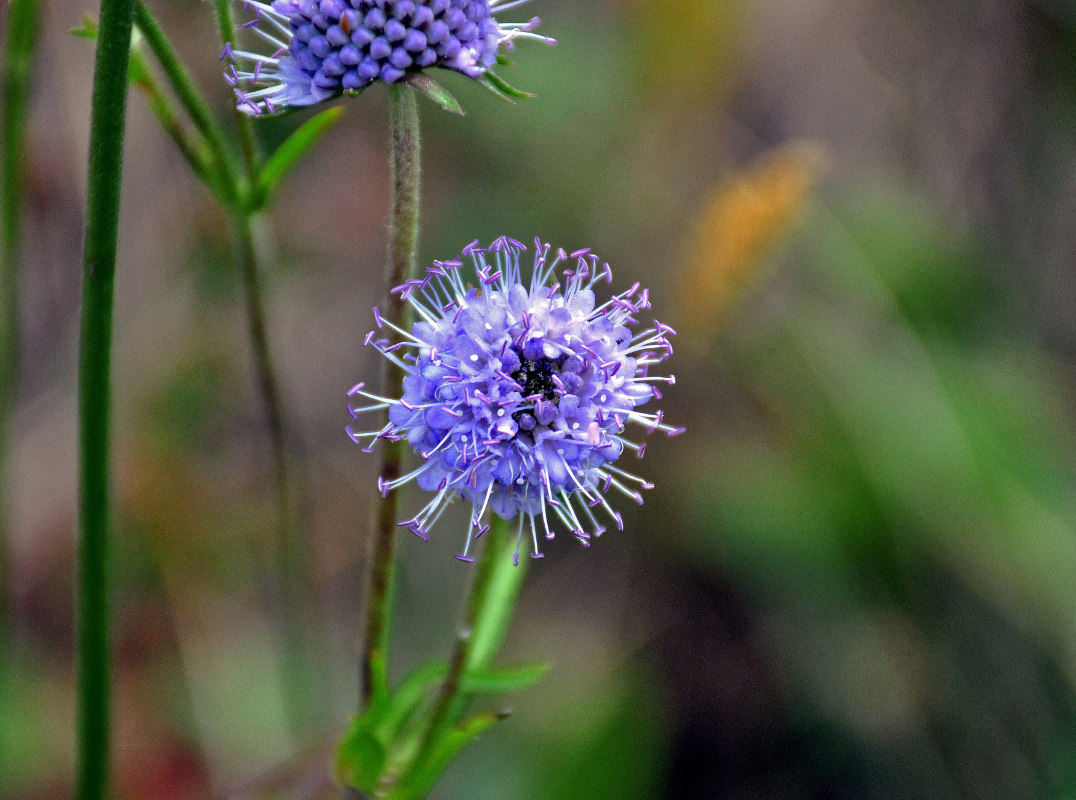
x=518, y=392
x=322, y=48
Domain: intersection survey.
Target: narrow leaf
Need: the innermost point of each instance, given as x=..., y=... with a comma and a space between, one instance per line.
x=501, y=88
x=426, y=85
x=406, y=698
x=425, y=774
x=360, y=757
x=504, y=680
x=494, y=612
x=87, y=29
x=291, y=150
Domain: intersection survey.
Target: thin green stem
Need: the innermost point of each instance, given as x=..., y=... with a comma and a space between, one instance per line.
x=488, y=611
x=107, y=117
x=191, y=145
x=292, y=567
x=263, y=364
x=405, y=169
x=14, y=92
x=226, y=28
x=191, y=100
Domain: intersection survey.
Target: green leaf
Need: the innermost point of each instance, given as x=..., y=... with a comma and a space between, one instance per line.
x=504, y=680
x=501, y=88
x=494, y=612
x=418, y=783
x=426, y=85
x=360, y=757
x=87, y=29
x=403, y=702
x=291, y=150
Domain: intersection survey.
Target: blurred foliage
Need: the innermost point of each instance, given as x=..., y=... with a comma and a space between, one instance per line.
x=899, y=483
x=744, y=217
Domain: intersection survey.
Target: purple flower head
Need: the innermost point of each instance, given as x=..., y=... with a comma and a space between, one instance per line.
x=319, y=49
x=518, y=391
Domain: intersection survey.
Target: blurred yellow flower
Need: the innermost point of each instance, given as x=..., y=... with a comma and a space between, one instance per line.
x=744, y=218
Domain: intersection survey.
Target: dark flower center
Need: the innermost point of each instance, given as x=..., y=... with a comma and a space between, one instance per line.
x=536, y=378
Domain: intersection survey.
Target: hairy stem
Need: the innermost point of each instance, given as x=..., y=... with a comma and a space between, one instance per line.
x=404, y=166
x=14, y=90
x=108, y=112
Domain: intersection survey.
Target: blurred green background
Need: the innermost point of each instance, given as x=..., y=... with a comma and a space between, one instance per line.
x=855, y=578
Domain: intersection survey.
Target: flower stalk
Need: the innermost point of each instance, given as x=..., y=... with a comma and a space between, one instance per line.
x=405, y=172
x=490, y=603
x=108, y=113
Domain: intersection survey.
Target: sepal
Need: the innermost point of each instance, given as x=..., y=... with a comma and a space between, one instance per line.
x=425, y=85
x=501, y=88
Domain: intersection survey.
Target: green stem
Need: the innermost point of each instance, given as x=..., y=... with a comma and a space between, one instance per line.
x=263, y=364
x=404, y=167
x=15, y=88
x=226, y=28
x=191, y=100
x=192, y=146
x=292, y=567
x=488, y=612
x=107, y=117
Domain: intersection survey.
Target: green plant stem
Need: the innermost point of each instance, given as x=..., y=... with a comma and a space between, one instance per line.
x=226, y=28
x=15, y=62
x=404, y=168
x=263, y=364
x=192, y=101
x=107, y=117
x=234, y=183
x=291, y=564
x=487, y=613
x=191, y=146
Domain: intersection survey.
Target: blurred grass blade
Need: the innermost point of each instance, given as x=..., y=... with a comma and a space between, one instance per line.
x=291, y=150
x=15, y=61
x=504, y=680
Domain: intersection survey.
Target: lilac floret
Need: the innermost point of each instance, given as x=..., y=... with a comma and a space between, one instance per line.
x=518, y=391
x=387, y=39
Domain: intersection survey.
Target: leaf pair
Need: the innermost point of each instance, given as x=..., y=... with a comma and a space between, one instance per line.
x=387, y=752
